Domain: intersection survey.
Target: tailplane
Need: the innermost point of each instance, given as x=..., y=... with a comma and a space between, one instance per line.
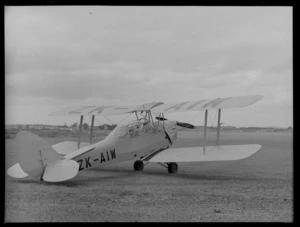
x=16, y=171
x=37, y=158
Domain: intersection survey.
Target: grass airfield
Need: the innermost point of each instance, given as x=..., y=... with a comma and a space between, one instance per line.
x=256, y=189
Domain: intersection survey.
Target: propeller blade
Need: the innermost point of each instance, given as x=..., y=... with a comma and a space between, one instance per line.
x=181, y=124
x=185, y=125
x=161, y=118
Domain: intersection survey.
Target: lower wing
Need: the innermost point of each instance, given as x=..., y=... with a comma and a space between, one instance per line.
x=212, y=153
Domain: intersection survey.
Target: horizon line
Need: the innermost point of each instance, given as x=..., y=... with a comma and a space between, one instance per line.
x=195, y=126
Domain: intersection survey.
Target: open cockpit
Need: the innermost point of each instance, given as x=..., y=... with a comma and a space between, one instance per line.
x=135, y=128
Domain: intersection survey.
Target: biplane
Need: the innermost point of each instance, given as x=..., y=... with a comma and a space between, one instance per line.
x=147, y=139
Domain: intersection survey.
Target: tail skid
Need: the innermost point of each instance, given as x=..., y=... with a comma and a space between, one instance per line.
x=37, y=158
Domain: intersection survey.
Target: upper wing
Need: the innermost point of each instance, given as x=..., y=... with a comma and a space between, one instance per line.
x=104, y=110
x=219, y=103
x=159, y=107
x=212, y=153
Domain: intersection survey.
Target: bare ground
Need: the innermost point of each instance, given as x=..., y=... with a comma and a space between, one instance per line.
x=256, y=189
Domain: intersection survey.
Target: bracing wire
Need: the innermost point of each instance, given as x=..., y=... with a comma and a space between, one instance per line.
x=110, y=120
x=95, y=119
x=124, y=118
x=192, y=121
x=142, y=114
x=90, y=118
x=212, y=123
x=107, y=119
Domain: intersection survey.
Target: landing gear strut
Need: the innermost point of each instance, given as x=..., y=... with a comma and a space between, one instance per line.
x=172, y=167
x=138, y=165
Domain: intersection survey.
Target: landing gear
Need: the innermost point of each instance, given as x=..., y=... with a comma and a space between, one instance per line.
x=138, y=165
x=41, y=177
x=172, y=167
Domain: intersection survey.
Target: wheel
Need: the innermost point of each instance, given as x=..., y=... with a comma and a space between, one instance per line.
x=172, y=167
x=138, y=165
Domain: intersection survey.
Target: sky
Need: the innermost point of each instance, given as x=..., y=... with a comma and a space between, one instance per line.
x=59, y=56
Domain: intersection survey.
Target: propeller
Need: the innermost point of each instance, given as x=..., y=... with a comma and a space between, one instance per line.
x=161, y=118
x=181, y=124
x=185, y=125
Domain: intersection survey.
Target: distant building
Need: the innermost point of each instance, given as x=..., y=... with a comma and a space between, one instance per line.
x=11, y=126
x=228, y=127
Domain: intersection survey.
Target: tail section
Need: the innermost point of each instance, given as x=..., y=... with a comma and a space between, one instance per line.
x=38, y=159
x=61, y=170
x=16, y=171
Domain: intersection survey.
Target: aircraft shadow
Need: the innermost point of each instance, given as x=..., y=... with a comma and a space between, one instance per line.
x=69, y=183
x=122, y=173
x=191, y=176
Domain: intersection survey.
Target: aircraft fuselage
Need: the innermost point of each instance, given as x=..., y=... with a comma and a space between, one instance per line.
x=125, y=143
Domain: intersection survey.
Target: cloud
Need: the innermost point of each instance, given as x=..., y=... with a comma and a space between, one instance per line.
x=171, y=38
x=138, y=54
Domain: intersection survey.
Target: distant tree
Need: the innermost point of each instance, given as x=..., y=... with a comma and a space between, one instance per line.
x=111, y=127
x=85, y=126
x=74, y=125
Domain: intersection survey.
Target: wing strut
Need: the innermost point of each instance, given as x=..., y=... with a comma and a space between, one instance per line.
x=219, y=126
x=92, y=127
x=218, y=129
x=41, y=177
x=80, y=131
x=205, y=126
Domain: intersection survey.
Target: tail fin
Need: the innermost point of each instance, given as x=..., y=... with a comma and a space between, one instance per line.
x=38, y=159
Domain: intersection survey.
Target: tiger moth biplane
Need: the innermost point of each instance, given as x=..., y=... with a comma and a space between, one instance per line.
x=144, y=140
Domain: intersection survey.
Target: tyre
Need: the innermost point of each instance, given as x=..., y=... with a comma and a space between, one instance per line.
x=138, y=165
x=172, y=167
